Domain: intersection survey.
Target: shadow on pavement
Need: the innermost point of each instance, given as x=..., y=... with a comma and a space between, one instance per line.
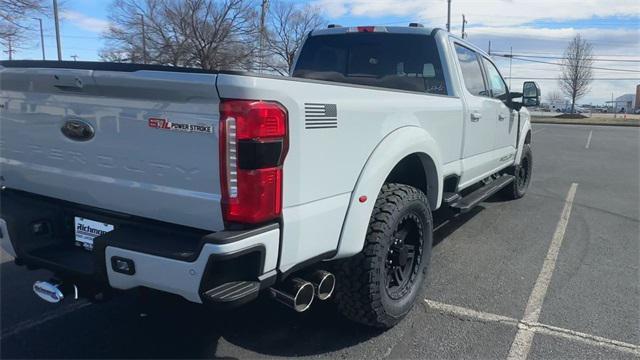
x=175, y=328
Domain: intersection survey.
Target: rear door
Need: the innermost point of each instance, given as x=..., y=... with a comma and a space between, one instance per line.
x=142, y=143
x=480, y=117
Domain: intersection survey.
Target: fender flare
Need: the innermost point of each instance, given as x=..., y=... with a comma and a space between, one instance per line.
x=390, y=151
x=526, y=129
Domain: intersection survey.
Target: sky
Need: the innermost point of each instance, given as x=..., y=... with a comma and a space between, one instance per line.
x=540, y=28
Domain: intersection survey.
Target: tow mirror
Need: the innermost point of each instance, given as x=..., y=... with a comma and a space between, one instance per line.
x=530, y=94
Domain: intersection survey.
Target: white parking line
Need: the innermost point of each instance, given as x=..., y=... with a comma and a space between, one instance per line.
x=539, y=130
x=589, y=140
x=593, y=340
x=524, y=337
x=452, y=309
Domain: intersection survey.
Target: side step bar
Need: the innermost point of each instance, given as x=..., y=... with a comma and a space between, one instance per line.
x=464, y=204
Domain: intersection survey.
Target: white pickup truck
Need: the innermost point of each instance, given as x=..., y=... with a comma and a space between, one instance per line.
x=220, y=186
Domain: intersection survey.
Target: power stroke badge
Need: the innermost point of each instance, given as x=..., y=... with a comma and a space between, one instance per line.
x=164, y=124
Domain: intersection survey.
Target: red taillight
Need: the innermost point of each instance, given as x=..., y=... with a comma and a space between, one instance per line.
x=250, y=169
x=366, y=28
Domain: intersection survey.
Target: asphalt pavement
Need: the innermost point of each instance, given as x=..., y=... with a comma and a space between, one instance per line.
x=554, y=275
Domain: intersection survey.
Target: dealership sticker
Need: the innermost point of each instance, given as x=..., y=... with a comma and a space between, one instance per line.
x=165, y=124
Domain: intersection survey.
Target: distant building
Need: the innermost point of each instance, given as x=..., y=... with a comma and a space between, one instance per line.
x=638, y=96
x=626, y=102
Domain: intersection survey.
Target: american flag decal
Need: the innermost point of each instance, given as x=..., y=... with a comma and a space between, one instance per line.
x=320, y=116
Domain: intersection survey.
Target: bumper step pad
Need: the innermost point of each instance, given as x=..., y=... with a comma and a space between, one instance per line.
x=232, y=291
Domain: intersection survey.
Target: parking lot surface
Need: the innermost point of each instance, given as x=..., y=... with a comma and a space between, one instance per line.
x=553, y=275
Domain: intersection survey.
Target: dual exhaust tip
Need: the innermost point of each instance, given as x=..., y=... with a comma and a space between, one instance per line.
x=298, y=294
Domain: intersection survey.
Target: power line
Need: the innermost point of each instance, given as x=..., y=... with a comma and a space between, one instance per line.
x=557, y=54
x=555, y=78
x=557, y=64
x=563, y=58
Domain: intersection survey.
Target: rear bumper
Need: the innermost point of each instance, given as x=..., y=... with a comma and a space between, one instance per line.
x=191, y=279
x=170, y=258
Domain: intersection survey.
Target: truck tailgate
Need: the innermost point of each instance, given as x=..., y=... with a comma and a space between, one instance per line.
x=142, y=143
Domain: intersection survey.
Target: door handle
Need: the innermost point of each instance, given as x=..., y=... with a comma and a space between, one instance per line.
x=476, y=116
x=501, y=117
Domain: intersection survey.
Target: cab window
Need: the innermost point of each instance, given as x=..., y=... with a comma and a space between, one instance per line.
x=471, y=70
x=496, y=82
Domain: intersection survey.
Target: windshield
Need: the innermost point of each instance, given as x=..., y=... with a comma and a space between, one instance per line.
x=396, y=61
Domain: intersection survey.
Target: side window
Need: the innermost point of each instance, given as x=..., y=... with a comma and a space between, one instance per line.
x=496, y=82
x=471, y=70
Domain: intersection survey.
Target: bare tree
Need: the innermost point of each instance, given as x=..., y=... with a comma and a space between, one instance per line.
x=222, y=33
x=165, y=40
x=577, y=73
x=555, y=96
x=13, y=14
x=205, y=33
x=288, y=24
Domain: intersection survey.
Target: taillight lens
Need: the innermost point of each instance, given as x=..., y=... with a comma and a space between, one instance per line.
x=253, y=145
x=366, y=28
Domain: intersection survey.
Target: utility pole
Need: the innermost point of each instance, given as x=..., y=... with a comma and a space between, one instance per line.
x=144, y=40
x=464, y=21
x=448, y=15
x=10, y=46
x=41, y=38
x=510, y=61
x=57, y=22
x=263, y=15
x=74, y=57
x=613, y=104
x=489, y=48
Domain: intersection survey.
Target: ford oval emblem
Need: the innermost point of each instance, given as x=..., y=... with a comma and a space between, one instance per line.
x=78, y=130
x=48, y=292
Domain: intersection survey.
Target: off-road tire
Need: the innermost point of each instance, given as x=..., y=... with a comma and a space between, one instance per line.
x=361, y=286
x=518, y=188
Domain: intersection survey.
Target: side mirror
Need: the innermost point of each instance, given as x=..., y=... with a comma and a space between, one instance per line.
x=530, y=94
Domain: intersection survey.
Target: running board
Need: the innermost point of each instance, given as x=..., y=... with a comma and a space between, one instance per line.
x=468, y=202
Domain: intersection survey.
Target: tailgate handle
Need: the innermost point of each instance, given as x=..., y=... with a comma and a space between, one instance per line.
x=63, y=82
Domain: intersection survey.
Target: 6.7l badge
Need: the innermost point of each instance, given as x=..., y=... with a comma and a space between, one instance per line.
x=165, y=124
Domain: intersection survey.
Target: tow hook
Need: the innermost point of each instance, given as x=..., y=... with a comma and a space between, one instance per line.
x=54, y=291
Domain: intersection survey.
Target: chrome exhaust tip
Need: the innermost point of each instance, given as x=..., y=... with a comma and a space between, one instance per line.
x=295, y=293
x=54, y=292
x=324, y=283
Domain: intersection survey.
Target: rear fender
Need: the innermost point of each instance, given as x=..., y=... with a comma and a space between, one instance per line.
x=389, y=152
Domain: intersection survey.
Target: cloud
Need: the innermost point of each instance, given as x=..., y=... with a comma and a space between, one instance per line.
x=525, y=26
x=84, y=22
x=490, y=12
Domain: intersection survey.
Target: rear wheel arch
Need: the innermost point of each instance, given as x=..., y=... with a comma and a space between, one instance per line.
x=417, y=170
x=410, y=145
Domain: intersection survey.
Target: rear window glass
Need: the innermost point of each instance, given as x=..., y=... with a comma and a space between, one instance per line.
x=395, y=61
